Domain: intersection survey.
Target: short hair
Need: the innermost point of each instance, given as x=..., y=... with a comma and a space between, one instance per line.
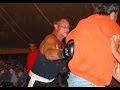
x=107, y=8
x=32, y=43
x=58, y=19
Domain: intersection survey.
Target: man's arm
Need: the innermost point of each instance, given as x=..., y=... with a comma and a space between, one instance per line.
x=50, y=48
x=115, y=40
x=52, y=51
x=116, y=54
x=116, y=73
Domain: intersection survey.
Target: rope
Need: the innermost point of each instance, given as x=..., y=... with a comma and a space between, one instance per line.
x=93, y=6
x=42, y=14
x=16, y=24
x=13, y=29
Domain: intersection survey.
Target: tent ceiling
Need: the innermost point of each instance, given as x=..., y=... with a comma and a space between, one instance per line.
x=21, y=23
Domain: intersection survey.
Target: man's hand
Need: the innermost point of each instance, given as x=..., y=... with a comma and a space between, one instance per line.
x=68, y=51
x=117, y=69
x=116, y=73
x=115, y=41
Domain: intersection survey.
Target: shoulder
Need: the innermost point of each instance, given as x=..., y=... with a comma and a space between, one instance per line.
x=50, y=38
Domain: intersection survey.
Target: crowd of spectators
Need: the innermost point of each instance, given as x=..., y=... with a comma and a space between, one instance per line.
x=13, y=72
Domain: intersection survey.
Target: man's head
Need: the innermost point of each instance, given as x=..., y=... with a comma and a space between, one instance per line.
x=32, y=46
x=6, y=70
x=62, y=27
x=111, y=9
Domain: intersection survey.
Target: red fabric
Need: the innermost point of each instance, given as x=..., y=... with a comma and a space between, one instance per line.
x=31, y=59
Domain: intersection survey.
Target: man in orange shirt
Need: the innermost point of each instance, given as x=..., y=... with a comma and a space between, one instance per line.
x=93, y=64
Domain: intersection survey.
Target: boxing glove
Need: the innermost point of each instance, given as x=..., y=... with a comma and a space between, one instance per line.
x=68, y=51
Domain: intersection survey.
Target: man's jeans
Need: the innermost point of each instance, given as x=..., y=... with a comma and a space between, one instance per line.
x=75, y=81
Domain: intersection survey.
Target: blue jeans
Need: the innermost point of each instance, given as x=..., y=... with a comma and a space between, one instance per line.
x=75, y=81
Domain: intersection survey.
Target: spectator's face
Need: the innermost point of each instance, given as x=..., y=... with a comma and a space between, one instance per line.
x=25, y=71
x=9, y=66
x=21, y=66
x=6, y=71
x=32, y=46
x=16, y=69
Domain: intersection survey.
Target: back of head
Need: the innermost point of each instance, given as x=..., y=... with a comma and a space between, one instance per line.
x=106, y=8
